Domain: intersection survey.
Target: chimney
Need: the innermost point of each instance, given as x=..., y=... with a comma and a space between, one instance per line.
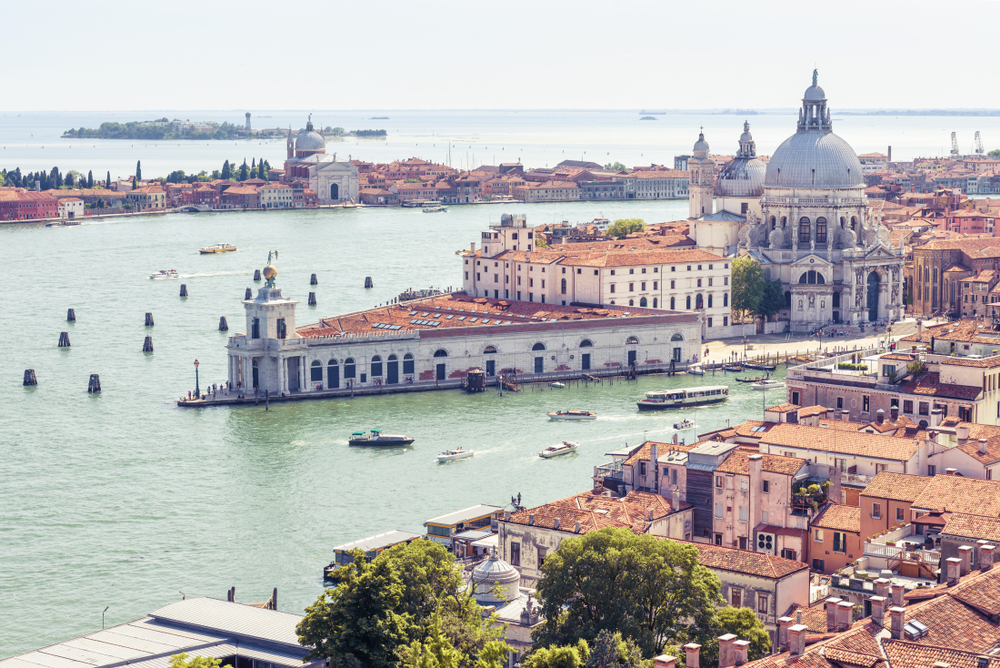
x=756, y=467
x=506, y=516
x=982, y=446
x=727, y=651
x=531, y=519
x=897, y=614
x=897, y=594
x=831, y=613
x=950, y=471
x=845, y=612
x=784, y=623
x=675, y=498
x=894, y=413
x=691, y=651
x=952, y=570
x=742, y=651
x=878, y=609
x=665, y=661
x=797, y=639
x=935, y=417
x=879, y=416
x=986, y=557
x=965, y=554
x=882, y=587
x=654, y=463
x=962, y=432
x=555, y=523
x=576, y=529
x=845, y=416
x=472, y=248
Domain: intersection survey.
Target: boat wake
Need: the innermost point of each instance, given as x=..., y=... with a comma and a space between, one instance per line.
x=209, y=274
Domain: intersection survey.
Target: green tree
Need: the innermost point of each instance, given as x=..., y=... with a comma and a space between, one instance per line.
x=610, y=651
x=182, y=661
x=747, y=286
x=90, y=178
x=742, y=622
x=995, y=153
x=244, y=171
x=226, y=170
x=649, y=589
x=69, y=180
x=436, y=651
x=615, y=167
x=772, y=301
x=55, y=178
x=493, y=655
x=625, y=226
x=262, y=167
x=107, y=183
x=567, y=656
x=138, y=170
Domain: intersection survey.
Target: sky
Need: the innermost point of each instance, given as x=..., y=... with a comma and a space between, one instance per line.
x=514, y=54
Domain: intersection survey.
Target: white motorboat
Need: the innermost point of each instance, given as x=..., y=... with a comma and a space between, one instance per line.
x=689, y=396
x=556, y=450
x=767, y=384
x=696, y=370
x=684, y=425
x=557, y=385
x=573, y=415
x=454, y=455
x=165, y=273
x=377, y=438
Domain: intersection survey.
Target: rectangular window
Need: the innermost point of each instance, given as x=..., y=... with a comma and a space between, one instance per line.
x=888, y=370
x=725, y=320
x=818, y=536
x=612, y=287
x=631, y=287
x=709, y=322
x=642, y=286
x=839, y=542
x=718, y=482
x=612, y=272
x=673, y=284
x=642, y=468
x=907, y=406
x=709, y=282
x=899, y=514
x=876, y=511
x=762, y=606
x=699, y=282
x=931, y=470
x=744, y=515
x=515, y=554
x=656, y=285
x=765, y=486
x=865, y=403
x=795, y=398
x=282, y=330
x=542, y=551
x=736, y=597
x=718, y=511
x=817, y=564
x=840, y=402
x=841, y=464
x=924, y=408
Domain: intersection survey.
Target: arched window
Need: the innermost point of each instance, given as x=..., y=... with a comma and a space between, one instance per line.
x=784, y=222
x=631, y=302
x=538, y=346
x=774, y=222
x=349, y=367
x=843, y=222
x=677, y=337
x=316, y=371
x=408, y=364
x=854, y=223
x=642, y=302
x=673, y=304
x=586, y=343
x=631, y=341
x=811, y=277
x=440, y=353
x=699, y=302
x=564, y=286
x=804, y=230
x=393, y=358
x=710, y=301
x=688, y=303
x=654, y=302
x=821, y=230
x=725, y=299
x=490, y=350
x=376, y=366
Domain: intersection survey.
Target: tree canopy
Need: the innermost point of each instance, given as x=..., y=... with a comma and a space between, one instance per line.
x=742, y=622
x=615, y=167
x=182, y=661
x=408, y=603
x=773, y=299
x=650, y=590
x=623, y=227
x=747, y=286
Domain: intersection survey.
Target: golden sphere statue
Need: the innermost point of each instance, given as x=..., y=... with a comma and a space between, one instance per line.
x=270, y=272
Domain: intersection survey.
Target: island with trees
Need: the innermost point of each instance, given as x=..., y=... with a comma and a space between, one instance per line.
x=166, y=129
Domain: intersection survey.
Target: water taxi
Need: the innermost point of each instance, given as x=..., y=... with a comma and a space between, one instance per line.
x=684, y=425
x=453, y=455
x=556, y=450
x=573, y=415
x=689, y=396
x=217, y=248
x=767, y=384
x=435, y=209
x=165, y=273
x=376, y=437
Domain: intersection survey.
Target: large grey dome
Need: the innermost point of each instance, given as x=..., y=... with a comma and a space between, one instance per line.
x=814, y=159
x=310, y=141
x=741, y=177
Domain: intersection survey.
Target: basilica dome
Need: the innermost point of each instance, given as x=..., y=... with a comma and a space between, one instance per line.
x=310, y=140
x=814, y=156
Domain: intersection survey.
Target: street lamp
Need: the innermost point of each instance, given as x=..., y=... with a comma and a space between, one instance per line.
x=102, y=616
x=744, y=347
x=197, y=393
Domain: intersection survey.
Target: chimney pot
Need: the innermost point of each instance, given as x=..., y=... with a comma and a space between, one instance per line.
x=531, y=519
x=665, y=661
x=797, y=639
x=882, y=586
x=878, y=609
x=576, y=529
x=936, y=416
x=727, y=650
x=965, y=554
x=897, y=613
x=952, y=570
x=897, y=594
x=784, y=623
x=986, y=557
x=894, y=413
x=691, y=652
x=831, y=613
x=844, y=614
x=506, y=515
x=950, y=471
x=879, y=416
x=742, y=651
x=962, y=432
x=982, y=446
x=555, y=523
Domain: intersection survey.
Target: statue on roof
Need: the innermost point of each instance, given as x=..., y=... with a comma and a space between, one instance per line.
x=815, y=76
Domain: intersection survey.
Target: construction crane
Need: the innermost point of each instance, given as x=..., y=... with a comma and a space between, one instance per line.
x=954, y=144
x=979, y=144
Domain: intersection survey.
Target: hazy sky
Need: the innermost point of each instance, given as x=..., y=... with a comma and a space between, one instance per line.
x=510, y=54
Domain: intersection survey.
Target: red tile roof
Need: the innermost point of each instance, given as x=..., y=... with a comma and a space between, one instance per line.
x=896, y=486
x=750, y=563
x=839, y=518
x=859, y=444
x=739, y=463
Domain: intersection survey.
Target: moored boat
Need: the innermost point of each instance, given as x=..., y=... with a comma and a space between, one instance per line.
x=732, y=367
x=565, y=448
x=454, y=455
x=759, y=367
x=684, y=425
x=573, y=415
x=435, y=209
x=165, y=273
x=557, y=385
x=217, y=248
x=696, y=370
x=682, y=398
x=377, y=438
x=767, y=384
x=748, y=380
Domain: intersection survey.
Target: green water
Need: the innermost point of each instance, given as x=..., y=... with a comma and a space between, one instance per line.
x=124, y=500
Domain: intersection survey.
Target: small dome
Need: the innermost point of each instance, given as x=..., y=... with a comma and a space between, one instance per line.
x=741, y=177
x=495, y=581
x=310, y=141
x=814, y=92
x=701, y=144
x=506, y=219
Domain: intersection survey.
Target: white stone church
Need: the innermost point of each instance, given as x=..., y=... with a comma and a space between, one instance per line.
x=306, y=162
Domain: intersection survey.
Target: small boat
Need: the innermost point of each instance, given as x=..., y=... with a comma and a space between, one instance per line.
x=376, y=437
x=164, y=273
x=407, y=295
x=767, y=384
x=556, y=450
x=573, y=415
x=217, y=248
x=735, y=368
x=696, y=370
x=748, y=380
x=435, y=209
x=557, y=385
x=684, y=425
x=759, y=367
x=454, y=455
x=690, y=396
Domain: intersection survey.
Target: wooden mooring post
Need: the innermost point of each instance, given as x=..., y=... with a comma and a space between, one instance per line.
x=312, y=299
x=256, y=276
x=147, y=345
x=149, y=320
x=29, y=378
x=368, y=282
x=184, y=290
x=64, y=339
x=71, y=315
x=223, y=325
x=94, y=387
x=248, y=295
x=312, y=280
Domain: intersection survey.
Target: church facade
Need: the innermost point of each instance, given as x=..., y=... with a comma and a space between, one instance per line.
x=307, y=163
x=804, y=217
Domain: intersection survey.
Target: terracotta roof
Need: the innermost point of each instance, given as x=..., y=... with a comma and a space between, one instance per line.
x=860, y=444
x=992, y=454
x=744, y=561
x=839, y=518
x=646, y=451
x=841, y=425
x=954, y=624
x=810, y=411
x=814, y=616
x=739, y=463
x=782, y=408
x=975, y=527
x=903, y=357
x=958, y=494
x=930, y=385
x=594, y=511
x=987, y=363
x=902, y=654
x=896, y=486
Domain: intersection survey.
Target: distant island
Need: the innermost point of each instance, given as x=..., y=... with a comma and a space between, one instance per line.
x=379, y=118
x=923, y=112
x=647, y=112
x=648, y=118
x=164, y=128
x=341, y=132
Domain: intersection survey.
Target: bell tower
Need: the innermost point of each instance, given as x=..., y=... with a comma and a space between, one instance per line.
x=701, y=180
x=289, y=145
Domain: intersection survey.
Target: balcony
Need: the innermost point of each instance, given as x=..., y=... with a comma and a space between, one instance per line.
x=612, y=470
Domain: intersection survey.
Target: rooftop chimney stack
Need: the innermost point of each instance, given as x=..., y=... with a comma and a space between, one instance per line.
x=878, y=609
x=691, y=651
x=897, y=594
x=936, y=417
x=797, y=639
x=742, y=651
x=950, y=471
x=844, y=614
x=665, y=661
x=897, y=614
x=879, y=416
x=831, y=613
x=962, y=432
x=965, y=554
x=893, y=413
x=982, y=446
x=986, y=557
x=952, y=569
x=531, y=519
x=882, y=586
x=727, y=650
x=555, y=523
x=784, y=623
x=675, y=498
x=576, y=529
